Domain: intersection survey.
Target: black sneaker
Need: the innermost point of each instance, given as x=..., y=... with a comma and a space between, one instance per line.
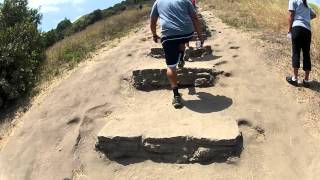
x=177, y=102
x=292, y=82
x=306, y=83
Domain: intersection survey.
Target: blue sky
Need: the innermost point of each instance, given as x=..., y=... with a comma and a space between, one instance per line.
x=56, y=10
x=315, y=1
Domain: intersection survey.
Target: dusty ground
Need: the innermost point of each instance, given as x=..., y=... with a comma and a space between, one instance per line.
x=56, y=137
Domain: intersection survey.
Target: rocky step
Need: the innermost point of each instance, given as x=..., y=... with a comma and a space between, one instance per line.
x=184, y=141
x=154, y=79
x=199, y=53
x=158, y=53
x=204, y=35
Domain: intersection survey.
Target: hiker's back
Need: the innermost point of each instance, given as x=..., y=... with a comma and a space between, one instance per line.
x=175, y=16
x=302, y=14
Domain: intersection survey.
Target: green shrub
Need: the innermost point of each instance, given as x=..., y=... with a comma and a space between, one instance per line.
x=21, y=49
x=66, y=53
x=63, y=28
x=66, y=28
x=50, y=38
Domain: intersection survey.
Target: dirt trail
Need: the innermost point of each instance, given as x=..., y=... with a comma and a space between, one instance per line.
x=57, y=137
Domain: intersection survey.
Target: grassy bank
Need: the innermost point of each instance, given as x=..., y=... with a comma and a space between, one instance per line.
x=267, y=16
x=70, y=51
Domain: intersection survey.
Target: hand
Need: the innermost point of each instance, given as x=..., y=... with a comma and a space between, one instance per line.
x=156, y=38
x=289, y=35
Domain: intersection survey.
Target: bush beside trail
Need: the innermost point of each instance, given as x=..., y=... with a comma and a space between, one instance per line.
x=21, y=50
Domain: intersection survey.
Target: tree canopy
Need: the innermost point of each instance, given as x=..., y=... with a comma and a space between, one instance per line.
x=21, y=49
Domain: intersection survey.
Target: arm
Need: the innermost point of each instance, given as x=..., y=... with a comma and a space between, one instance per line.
x=197, y=26
x=153, y=25
x=153, y=22
x=290, y=20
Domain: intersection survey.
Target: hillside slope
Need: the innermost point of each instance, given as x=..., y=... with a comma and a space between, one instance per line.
x=56, y=137
x=269, y=17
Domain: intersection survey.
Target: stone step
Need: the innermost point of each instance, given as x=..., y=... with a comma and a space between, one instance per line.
x=155, y=79
x=158, y=53
x=178, y=140
x=195, y=36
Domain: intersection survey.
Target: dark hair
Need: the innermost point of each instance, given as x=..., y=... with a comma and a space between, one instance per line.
x=305, y=3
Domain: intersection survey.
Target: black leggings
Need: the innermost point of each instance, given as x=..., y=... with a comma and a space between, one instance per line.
x=301, y=39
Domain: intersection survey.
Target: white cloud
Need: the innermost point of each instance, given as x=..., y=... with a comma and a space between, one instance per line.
x=52, y=5
x=48, y=9
x=38, y=3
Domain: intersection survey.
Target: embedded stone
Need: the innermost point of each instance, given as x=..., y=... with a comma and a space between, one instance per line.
x=153, y=79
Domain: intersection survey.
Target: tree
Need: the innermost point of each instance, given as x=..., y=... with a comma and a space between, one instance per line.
x=16, y=11
x=50, y=38
x=21, y=49
x=63, y=27
x=96, y=16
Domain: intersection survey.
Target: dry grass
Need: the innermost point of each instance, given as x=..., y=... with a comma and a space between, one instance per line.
x=67, y=53
x=316, y=36
x=268, y=16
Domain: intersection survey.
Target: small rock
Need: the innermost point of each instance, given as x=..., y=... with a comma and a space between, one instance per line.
x=259, y=130
x=200, y=82
x=201, y=154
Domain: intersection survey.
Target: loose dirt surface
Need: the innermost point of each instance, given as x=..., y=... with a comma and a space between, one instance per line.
x=56, y=137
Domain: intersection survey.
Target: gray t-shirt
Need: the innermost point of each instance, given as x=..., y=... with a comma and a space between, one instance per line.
x=175, y=16
x=302, y=13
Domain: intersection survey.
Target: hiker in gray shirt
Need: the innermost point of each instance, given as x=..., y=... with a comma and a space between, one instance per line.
x=178, y=21
x=300, y=15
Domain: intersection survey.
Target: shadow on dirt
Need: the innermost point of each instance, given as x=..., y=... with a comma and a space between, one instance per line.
x=205, y=58
x=207, y=103
x=315, y=86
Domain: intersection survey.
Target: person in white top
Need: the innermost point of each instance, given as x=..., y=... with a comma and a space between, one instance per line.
x=300, y=16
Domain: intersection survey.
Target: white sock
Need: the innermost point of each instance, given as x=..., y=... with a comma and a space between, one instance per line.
x=294, y=78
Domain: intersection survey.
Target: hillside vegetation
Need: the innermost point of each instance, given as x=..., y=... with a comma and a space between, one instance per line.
x=66, y=28
x=72, y=49
x=269, y=16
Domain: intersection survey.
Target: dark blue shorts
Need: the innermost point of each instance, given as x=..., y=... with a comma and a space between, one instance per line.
x=171, y=46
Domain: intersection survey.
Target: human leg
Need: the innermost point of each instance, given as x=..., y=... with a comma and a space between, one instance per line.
x=306, y=53
x=171, y=49
x=296, y=49
x=182, y=48
x=172, y=77
x=174, y=48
